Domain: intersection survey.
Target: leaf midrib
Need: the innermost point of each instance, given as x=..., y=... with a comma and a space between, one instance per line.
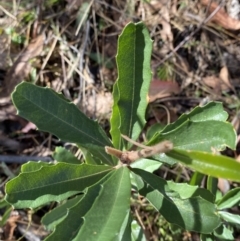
x=61, y=120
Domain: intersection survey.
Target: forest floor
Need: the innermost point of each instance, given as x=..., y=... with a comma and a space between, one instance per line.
x=70, y=46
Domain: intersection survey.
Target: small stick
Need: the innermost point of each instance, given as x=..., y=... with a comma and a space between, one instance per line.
x=134, y=142
x=127, y=157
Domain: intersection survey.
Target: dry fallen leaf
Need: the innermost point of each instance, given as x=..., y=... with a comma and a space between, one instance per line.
x=221, y=17
x=21, y=67
x=159, y=89
x=219, y=83
x=98, y=106
x=223, y=185
x=224, y=76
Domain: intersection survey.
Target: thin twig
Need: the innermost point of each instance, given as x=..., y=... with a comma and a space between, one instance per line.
x=23, y=159
x=187, y=38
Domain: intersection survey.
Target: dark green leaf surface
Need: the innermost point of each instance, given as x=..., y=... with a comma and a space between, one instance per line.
x=63, y=155
x=57, y=215
x=53, y=183
x=104, y=220
x=131, y=88
x=116, y=120
x=212, y=185
x=208, y=163
x=200, y=136
x=72, y=222
x=52, y=113
x=211, y=111
x=203, y=129
x=101, y=213
x=125, y=230
x=194, y=214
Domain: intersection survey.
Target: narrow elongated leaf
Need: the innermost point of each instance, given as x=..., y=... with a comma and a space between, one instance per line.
x=137, y=232
x=125, y=230
x=230, y=199
x=101, y=212
x=72, y=222
x=57, y=215
x=212, y=185
x=196, y=179
x=116, y=119
x=52, y=113
x=105, y=218
x=130, y=231
x=208, y=163
x=195, y=214
x=5, y=216
x=134, y=76
x=229, y=217
x=54, y=183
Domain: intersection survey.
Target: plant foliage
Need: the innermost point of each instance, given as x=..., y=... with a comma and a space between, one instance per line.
x=94, y=196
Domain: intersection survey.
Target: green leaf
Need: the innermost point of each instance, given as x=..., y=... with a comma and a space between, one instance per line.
x=206, y=136
x=212, y=185
x=3, y=203
x=211, y=111
x=208, y=163
x=5, y=216
x=196, y=179
x=186, y=191
x=53, y=183
x=132, y=85
x=72, y=222
x=194, y=214
x=52, y=113
x=32, y=166
x=230, y=199
x=207, y=237
x=203, y=129
x=229, y=217
x=63, y=155
x=153, y=129
x=101, y=212
x=137, y=232
x=115, y=120
x=125, y=230
x=146, y=164
x=57, y=215
x=223, y=233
